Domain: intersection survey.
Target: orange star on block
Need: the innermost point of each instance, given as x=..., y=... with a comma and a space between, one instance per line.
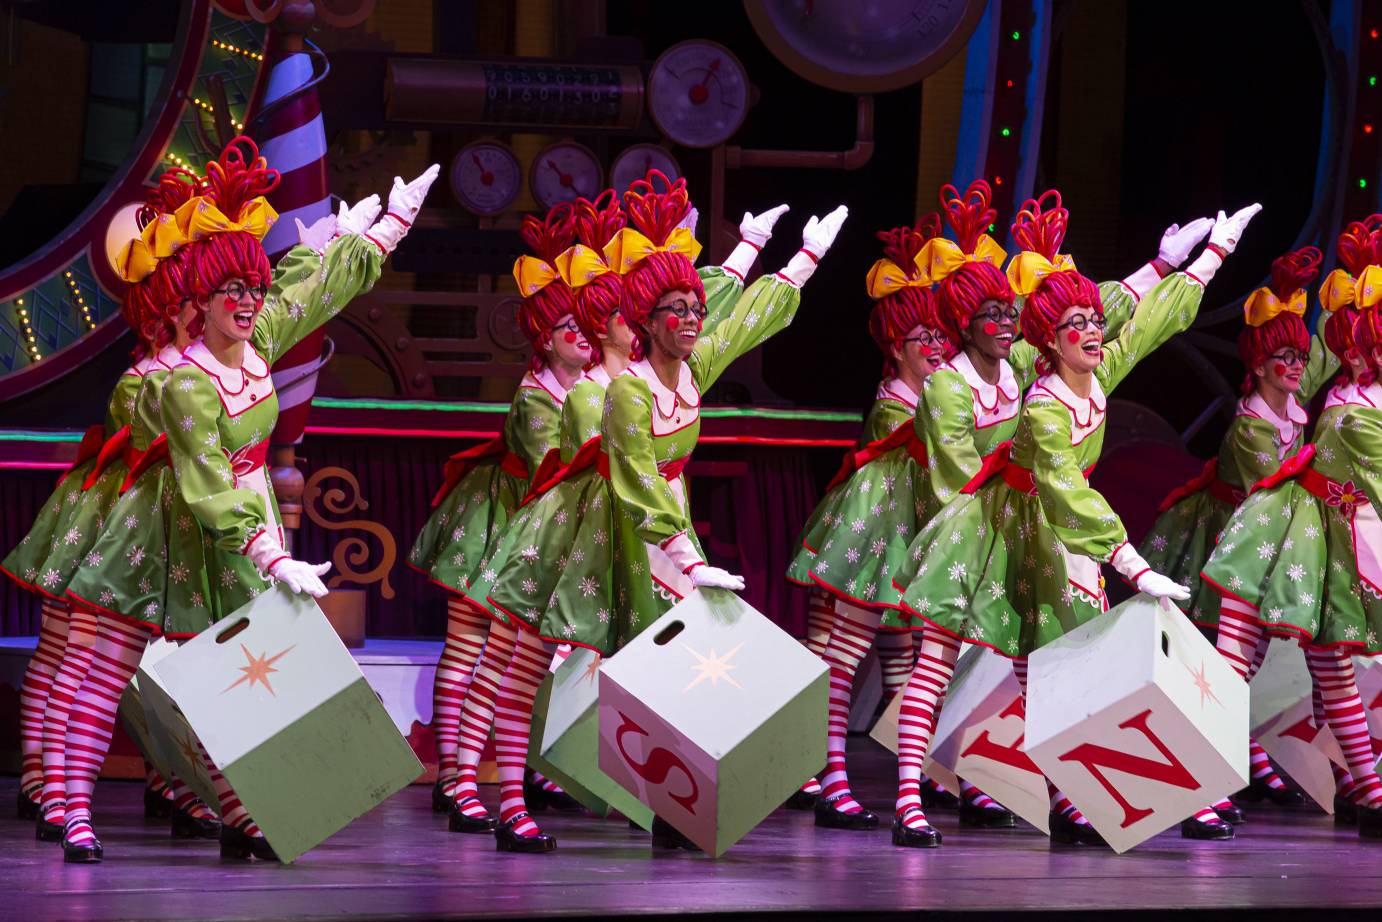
x=258, y=669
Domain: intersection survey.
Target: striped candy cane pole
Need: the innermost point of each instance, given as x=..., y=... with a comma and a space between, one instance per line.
x=293, y=141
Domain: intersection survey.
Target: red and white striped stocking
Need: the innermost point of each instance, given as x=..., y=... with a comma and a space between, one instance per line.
x=477, y=714
x=33, y=694
x=895, y=660
x=466, y=629
x=233, y=812
x=77, y=656
x=849, y=643
x=916, y=722
x=820, y=617
x=1331, y=668
x=1242, y=642
x=513, y=722
x=118, y=649
x=1060, y=804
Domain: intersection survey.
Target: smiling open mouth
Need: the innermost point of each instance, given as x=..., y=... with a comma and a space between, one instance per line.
x=244, y=318
x=1093, y=348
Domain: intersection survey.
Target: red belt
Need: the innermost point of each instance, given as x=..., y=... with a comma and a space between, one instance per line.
x=1331, y=491
x=463, y=462
x=1207, y=479
x=586, y=456
x=670, y=470
x=156, y=454
x=1290, y=469
x=1022, y=480
x=903, y=435
x=90, y=447
x=117, y=446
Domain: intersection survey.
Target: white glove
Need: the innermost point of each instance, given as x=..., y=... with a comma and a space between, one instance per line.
x=357, y=218
x=301, y=577
x=715, y=578
x=1178, y=241
x=316, y=237
x=405, y=201
x=1228, y=231
x=816, y=239
x=1132, y=567
x=753, y=233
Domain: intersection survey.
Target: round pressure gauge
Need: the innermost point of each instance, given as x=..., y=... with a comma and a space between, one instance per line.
x=634, y=163
x=698, y=93
x=564, y=171
x=486, y=178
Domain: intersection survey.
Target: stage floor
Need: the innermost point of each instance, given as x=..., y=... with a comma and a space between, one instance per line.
x=400, y=862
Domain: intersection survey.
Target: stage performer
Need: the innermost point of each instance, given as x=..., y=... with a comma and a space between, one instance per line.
x=1300, y=556
x=474, y=708
x=1042, y=578
x=218, y=406
x=1285, y=367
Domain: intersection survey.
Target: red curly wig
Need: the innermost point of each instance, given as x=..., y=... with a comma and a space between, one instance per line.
x=962, y=292
x=596, y=224
x=1357, y=248
x=144, y=302
x=232, y=181
x=540, y=311
x=897, y=314
x=1040, y=227
x=655, y=215
x=1290, y=273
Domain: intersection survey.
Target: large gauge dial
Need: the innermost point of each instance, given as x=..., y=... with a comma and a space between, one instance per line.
x=633, y=163
x=698, y=93
x=564, y=171
x=486, y=178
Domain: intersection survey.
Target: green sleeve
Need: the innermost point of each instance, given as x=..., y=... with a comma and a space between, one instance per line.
x=1081, y=518
x=1023, y=359
x=309, y=289
x=148, y=410
x=1167, y=309
x=643, y=493
x=580, y=416
x=531, y=429
x=722, y=289
x=945, y=417
x=191, y=410
x=764, y=308
x=1361, y=435
x=1254, y=451
x=1119, y=303
x=883, y=419
x=1322, y=365
x=120, y=409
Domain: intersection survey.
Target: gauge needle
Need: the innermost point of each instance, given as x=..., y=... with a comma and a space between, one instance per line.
x=698, y=92
x=565, y=179
x=486, y=177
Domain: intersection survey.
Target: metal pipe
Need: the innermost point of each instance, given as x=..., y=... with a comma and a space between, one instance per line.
x=737, y=158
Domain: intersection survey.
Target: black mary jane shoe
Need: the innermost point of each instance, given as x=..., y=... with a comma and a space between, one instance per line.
x=186, y=826
x=905, y=836
x=82, y=854
x=1068, y=832
x=46, y=831
x=440, y=802
x=1345, y=811
x=506, y=840
x=26, y=808
x=665, y=835
x=470, y=825
x=1258, y=791
x=156, y=805
x=1370, y=822
x=1232, y=814
x=933, y=798
x=241, y=846
x=994, y=817
x=827, y=817
x=801, y=800
x=1206, y=830
x=538, y=798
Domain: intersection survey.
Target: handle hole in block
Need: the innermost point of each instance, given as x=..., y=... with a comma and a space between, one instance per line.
x=238, y=627
x=665, y=635
x=1165, y=644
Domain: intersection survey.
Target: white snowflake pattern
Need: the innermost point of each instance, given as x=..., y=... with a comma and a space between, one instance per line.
x=561, y=516
x=187, y=421
x=1158, y=542
x=996, y=592
x=227, y=578
x=1296, y=572
x=852, y=554
x=1264, y=551
x=529, y=586
x=106, y=597
x=958, y=571
x=135, y=555
x=178, y=572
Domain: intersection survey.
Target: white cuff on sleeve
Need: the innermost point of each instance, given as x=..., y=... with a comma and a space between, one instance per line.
x=1141, y=281
x=264, y=551
x=682, y=552
x=1204, y=266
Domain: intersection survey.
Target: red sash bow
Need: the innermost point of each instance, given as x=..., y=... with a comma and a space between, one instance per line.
x=157, y=453
x=1289, y=470
x=903, y=435
x=114, y=447
x=463, y=462
x=586, y=456
x=1206, y=479
x=90, y=447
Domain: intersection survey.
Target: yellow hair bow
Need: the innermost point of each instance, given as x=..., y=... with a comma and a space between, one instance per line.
x=629, y=248
x=1262, y=305
x=1341, y=290
x=533, y=274
x=1028, y=268
x=887, y=277
x=940, y=257
x=580, y=265
x=195, y=220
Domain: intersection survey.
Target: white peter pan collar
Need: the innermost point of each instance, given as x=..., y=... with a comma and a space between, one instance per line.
x=229, y=381
x=598, y=375
x=1350, y=394
x=897, y=389
x=666, y=398
x=1086, y=413
x=547, y=381
x=169, y=357
x=1286, y=429
x=987, y=396
x=142, y=367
